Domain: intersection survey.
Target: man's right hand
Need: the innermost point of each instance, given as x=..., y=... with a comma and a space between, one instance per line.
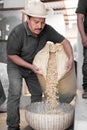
x=84, y=41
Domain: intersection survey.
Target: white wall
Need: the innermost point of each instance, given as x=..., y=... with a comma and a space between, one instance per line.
x=14, y=3
x=57, y=21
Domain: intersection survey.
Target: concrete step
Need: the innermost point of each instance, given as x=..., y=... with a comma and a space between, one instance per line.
x=80, y=121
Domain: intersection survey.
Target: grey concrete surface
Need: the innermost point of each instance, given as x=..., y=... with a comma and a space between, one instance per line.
x=80, y=121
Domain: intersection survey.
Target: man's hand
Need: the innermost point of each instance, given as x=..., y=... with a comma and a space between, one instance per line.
x=84, y=41
x=35, y=69
x=69, y=65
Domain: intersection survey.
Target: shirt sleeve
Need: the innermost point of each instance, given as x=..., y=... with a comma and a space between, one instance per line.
x=53, y=35
x=82, y=7
x=13, y=44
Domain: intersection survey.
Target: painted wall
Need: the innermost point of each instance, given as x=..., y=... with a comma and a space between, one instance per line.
x=57, y=22
x=14, y=3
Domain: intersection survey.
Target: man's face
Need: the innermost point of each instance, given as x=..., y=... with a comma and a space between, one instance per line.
x=36, y=25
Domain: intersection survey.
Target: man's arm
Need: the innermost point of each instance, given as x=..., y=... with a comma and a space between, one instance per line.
x=21, y=62
x=80, y=24
x=69, y=52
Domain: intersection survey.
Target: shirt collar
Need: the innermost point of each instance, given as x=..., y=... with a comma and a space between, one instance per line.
x=27, y=28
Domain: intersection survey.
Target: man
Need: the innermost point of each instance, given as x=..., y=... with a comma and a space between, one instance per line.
x=24, y=42
x=82, y=26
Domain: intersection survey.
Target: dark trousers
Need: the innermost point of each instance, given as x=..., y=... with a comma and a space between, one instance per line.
x=14, y=93
x=2, y=94
x=84, y=69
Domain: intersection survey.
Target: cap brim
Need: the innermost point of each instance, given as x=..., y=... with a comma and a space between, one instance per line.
x=39, y=16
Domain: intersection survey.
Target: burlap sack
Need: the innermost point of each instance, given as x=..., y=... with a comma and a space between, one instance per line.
x=67, y=86
x=66, y=82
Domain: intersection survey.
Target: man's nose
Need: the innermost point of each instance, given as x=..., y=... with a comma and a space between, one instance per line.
x=40, y=25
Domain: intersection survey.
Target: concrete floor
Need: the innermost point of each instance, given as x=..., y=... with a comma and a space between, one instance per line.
x=80, y=122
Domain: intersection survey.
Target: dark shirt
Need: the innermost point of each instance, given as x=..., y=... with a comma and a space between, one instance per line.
x=21, y=41
x=82, y=8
